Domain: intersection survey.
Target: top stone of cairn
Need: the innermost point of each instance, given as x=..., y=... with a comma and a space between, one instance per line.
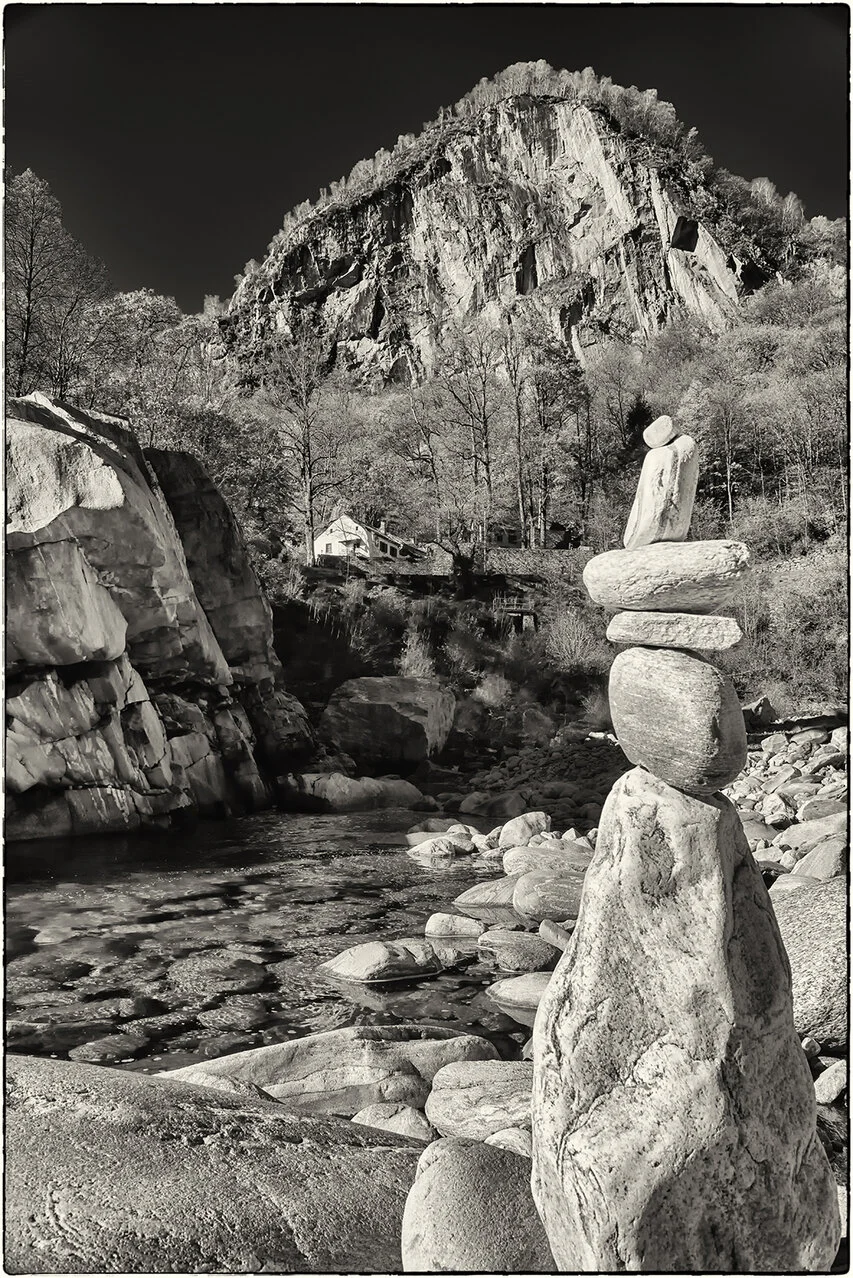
x=662, y=431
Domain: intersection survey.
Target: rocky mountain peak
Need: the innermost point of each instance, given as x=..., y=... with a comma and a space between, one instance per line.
x=552, y=190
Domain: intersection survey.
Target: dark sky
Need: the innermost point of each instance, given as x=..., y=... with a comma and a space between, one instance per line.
x=176, y=136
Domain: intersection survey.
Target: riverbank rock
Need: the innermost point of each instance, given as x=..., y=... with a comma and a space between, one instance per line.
x=452, y=925
x=556, y=858
x=674, y=630
x=542, y=895
x=477, y=1097
x=100, y=600
x=520, y=993
x=516, y=951
x=335, y=792
x=663, y=505
x=388, y=722
x=385, y=961
x=470, y=1210
x=402, y=1119
x=682, y=1062
x=341, y=1071
x=114, y=1172
x=813, y=927
x=487, y=896
x=521, y=829
x=690, y=576
x=679, y=717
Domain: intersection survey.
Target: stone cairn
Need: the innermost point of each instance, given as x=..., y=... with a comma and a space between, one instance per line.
x=673, y=1107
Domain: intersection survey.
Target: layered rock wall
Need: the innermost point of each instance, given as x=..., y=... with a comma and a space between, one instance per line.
x=536, y=198
x=130, y=697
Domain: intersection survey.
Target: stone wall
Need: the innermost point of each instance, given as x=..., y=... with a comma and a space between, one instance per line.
x=141, y=677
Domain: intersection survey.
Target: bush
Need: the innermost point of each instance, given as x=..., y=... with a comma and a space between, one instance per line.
x=493, y=691
x=574, y=645
x=415, y=661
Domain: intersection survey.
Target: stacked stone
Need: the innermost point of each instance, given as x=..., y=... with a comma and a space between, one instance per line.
x=674, y=1121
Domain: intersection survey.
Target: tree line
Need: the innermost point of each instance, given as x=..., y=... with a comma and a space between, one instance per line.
x=509, y=431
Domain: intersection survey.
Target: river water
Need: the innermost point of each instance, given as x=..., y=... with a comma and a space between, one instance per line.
x=96, y=931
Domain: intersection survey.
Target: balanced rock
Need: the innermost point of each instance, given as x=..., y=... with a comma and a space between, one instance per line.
x=470, y=1210
x=689, y=576
x=340, y=1071
x=675, y=630
x=660, y=432
x=475, y=1098
x=679, y=717
x=667, y=1067
x=113, y=1172
x=663, y=505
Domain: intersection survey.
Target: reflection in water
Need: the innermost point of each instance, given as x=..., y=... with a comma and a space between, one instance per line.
x=97, y=932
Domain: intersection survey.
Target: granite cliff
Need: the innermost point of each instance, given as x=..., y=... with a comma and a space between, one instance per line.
x=534, y=200
x=141, y=676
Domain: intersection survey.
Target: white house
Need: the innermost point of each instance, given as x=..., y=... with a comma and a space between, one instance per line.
x=347, y=539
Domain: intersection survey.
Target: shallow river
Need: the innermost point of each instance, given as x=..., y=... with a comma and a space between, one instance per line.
x=95, y=926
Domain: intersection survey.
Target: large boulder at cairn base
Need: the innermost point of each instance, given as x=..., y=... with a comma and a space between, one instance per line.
x=388, y=723
x=341, y=1071
x=674, y=1111
x=813, y=924
x=110, y=1172
x=679, y=717
x=470, y=1211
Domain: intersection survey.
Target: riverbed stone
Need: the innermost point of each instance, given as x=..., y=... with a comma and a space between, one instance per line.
x=217, y=971
x=679, y=717
x=519, y=831
x=555, y=934
x=663, y=505
x=813, y=926
x=801, y=838
x=487, y=895
x=674, y=630
x=690, y=576
x=517, y=1139
x=114, y=1172
x=661, y=431
x=517, y=951
x=520, y=991
x=476, y=1098
x=682, y=1062
x=402, y=1119
x=458, y=925
x=828, y=859
x=385, y=961
x=470, y=1210
x=340, y=1071
x=541, y=894
x=831, y=1083
x=555, y=857
x=237, y=1012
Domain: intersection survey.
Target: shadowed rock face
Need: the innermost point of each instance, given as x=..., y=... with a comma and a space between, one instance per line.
x=674, y=1113
x=131, y=696
x=388, y=722
x=113, y=1172
x=536, y=199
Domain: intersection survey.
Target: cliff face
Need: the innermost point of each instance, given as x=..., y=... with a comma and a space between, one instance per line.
x=534, y=198
x=131, y=695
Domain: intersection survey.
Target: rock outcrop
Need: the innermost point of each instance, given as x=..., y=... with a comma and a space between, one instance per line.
x=388, y=722
x=129, y=702
x=674, y=1116
x=534, y=201
x=110, y=1172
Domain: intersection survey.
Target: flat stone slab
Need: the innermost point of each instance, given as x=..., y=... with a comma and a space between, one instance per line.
x=675, y=630
x=476, y=1098
x=688, y=576
x=112, y=1172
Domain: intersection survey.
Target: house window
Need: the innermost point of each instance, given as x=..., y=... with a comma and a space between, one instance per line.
x=512, y=535
x=383, y=546
x=328, y=547
x=393, y=552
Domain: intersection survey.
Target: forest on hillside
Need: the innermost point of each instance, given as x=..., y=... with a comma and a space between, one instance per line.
x=511, y=430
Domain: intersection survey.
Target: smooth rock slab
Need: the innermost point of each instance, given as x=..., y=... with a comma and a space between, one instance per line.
x=675, y=630
x=556, y=857
x=679, y=717
x=520, y=992
x=521, y=829
x=690, y=576
x=470, y=1210
x=663, y=505
x=541, y=894
x=517, y=1139
x=455, y=925
x=667, y=1067
x=660, y=432
x=517, y=951
x=476, y=1098
x=341, y=1071
x=111, y=1172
